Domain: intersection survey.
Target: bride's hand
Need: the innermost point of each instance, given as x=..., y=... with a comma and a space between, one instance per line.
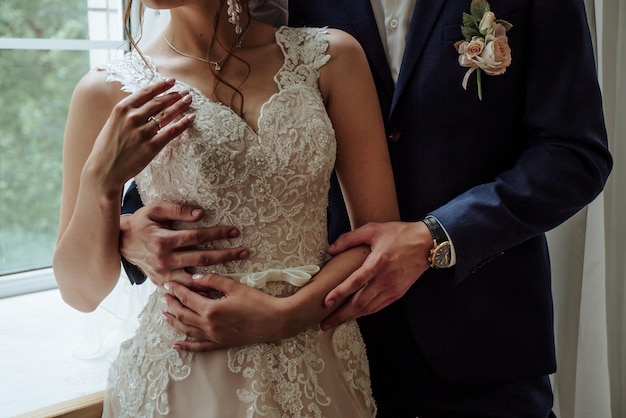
x=139, y=126
x=219, y=312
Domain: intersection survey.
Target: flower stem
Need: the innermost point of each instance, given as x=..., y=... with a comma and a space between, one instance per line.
x=479, y=82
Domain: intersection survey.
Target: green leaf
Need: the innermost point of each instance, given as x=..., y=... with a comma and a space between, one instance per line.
x=470, y=21
x=469, y=33
x=478, y=8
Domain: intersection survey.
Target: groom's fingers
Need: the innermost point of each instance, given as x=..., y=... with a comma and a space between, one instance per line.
x=196, y=236
x=161, y=210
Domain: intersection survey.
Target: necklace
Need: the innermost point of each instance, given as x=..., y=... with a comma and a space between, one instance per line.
x=216, y=64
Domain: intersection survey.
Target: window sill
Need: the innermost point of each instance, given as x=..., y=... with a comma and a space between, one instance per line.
x=39, y=334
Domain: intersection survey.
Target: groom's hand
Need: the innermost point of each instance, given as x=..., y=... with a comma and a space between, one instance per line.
x=162, y=253
x=398, y=257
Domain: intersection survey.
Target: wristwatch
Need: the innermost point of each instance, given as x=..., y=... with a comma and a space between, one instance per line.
x=440, y=253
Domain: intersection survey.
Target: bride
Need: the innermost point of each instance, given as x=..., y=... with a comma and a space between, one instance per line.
x=247, y=121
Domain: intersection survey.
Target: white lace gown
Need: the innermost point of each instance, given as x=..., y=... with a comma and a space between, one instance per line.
x=273, y=185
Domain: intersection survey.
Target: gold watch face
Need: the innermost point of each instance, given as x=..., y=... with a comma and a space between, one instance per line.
x=440, y=256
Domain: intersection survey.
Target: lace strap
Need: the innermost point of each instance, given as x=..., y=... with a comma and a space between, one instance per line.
x=131, y=71
x=305, y=53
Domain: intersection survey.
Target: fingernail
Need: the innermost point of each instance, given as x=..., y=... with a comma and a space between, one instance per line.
x=196, y=212
x=170, y=80
x=244, y=254
x=163, y=316
x=234, y=233
x=166, y=286
x=197, y=276
x=164, y=300
x=187, y=98
x=183, y=92
x=191, y=117
x=330, y=303
x=325, y=327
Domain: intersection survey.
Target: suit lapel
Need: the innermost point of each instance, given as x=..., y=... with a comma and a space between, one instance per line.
x=366, y=32
x=423, y=21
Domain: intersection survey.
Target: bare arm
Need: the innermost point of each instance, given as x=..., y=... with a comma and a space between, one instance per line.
x=247, y=315
x=108, y=139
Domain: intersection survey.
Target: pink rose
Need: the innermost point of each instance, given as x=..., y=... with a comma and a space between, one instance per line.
x=474, y=47
x=496, y=56
x=468, y=51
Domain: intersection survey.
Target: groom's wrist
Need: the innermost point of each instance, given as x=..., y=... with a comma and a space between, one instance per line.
x=441, y=254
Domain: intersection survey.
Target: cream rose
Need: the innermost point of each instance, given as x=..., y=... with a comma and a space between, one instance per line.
x=486, y=23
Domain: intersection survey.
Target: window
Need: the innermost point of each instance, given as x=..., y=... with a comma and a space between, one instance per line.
x=45, y=48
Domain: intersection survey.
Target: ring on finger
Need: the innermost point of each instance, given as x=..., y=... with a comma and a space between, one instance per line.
x=155, y=120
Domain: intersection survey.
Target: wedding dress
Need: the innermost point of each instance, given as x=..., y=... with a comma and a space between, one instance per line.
x=273, y=185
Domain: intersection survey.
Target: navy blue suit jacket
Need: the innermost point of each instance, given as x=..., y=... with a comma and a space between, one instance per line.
x=497, y=173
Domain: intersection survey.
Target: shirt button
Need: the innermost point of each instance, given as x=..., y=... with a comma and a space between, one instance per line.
x=393, y=23
x=394, y=135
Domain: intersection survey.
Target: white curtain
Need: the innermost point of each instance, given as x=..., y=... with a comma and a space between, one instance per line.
x=589, y=254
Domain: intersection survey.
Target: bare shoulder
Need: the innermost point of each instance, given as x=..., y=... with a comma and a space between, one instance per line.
x=343, y=46
x=347, y=63
x=93, y=90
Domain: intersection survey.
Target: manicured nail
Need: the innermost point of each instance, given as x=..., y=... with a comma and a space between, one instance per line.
x=163, y=316
x=196, y=212
x=166, y=286
x=330, y=303
x=244, y=255
x=191, y=117
x=234, y=233
x=325, y=327
x=187, y=98
x=183, y=92
x=164, y=300
x=170, y=80
x=197, y=276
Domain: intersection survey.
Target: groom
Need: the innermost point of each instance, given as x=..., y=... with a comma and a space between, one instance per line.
x=473, y=335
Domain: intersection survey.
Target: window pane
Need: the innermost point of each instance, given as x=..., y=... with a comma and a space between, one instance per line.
x=36, y=86
x=61, y=19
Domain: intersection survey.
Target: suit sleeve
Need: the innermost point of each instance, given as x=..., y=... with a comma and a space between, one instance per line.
x=130, y=203
x=564, y=161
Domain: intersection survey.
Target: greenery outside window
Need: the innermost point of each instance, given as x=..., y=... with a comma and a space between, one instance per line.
x=46, y=46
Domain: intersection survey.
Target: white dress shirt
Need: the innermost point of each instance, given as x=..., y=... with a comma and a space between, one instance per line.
x=393, y=18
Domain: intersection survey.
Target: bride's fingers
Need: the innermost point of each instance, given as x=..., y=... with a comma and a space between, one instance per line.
x=145, y=94
x=196, y=346
x=169, y=132
x=166, y=108
x=190, y=331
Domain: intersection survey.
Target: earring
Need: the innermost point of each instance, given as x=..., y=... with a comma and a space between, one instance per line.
x=234, y=9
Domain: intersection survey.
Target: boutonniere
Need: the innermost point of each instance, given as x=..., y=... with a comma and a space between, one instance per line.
x=486, y=46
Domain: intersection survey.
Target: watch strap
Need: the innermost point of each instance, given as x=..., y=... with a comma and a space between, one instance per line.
x=436, y=230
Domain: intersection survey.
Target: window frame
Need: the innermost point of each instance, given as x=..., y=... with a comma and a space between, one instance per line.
x=41, y=279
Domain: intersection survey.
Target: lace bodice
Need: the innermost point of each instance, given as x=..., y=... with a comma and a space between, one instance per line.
x=272, y=184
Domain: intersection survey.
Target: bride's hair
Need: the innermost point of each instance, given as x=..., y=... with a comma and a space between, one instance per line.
x=237, y=99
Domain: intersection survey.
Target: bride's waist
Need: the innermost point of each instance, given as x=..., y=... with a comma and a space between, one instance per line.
x=297, y=276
